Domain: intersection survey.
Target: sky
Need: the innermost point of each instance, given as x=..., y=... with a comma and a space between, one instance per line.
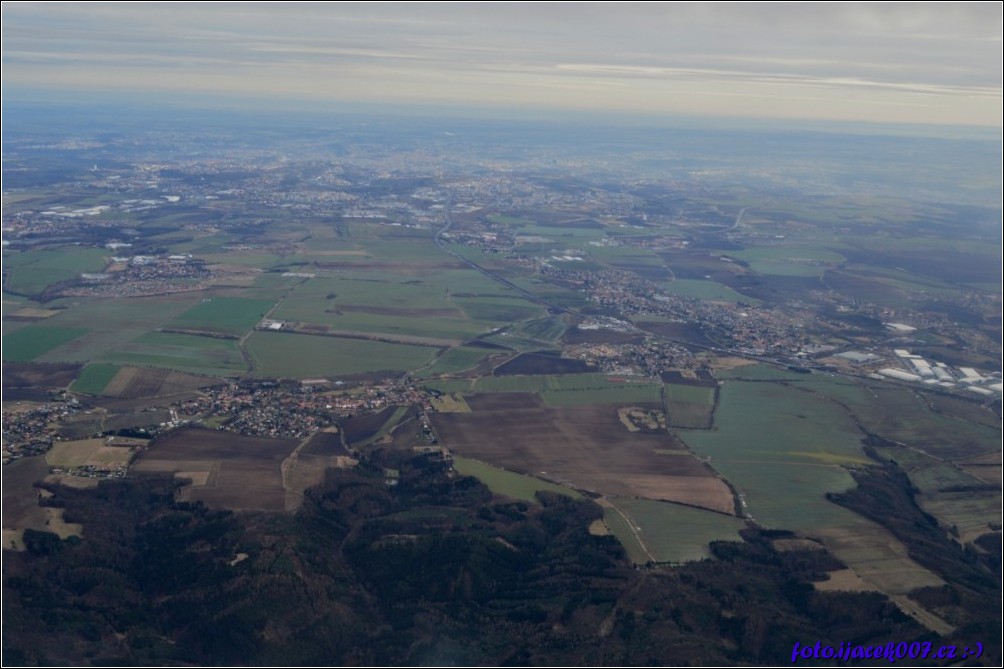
x=929, y=63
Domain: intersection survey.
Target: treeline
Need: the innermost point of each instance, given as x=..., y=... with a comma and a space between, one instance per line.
x=430, y=570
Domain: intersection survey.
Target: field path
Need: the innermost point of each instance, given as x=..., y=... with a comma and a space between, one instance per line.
x=604, y=502
x=285, y=469
x=243, y=340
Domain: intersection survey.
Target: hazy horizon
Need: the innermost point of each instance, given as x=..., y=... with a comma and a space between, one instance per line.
x=913, y=64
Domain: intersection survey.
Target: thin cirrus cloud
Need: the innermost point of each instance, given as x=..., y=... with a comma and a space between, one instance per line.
x=927, y=63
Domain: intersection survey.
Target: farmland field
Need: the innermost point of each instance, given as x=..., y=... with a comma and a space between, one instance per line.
x=182, y=352
x=583, y=447
x=456, y=359
x=20, y=498
x=671, y=532
x=766, y=445
x=364, y=430
x=88, y=452
x=613, y=394
x=510, y=484
x=31, y=342
x=325, y=443
x=782, y=464
x=94, y=378
x=416, y=304
x=703, y=289
x=228, y=470
x=689, y=406
x=304, y=356
x=32, y=271
x=235, y=315
x=26, y=375
x=134, y=382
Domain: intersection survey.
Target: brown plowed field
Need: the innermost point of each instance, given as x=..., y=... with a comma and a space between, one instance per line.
x=135, y=382
x=46, y=375
x=241, y=472
x=586, y=447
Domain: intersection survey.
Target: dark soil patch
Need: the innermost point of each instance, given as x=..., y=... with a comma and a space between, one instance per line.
x=685, y=332
x=45, y=375
x=361, y=428
x=533, y=363
x=325, y=444
x=239, y=472
x=601, y=336
x=586, y=447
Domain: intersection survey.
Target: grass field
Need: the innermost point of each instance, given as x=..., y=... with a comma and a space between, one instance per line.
x=32, y=271
x=13, y=302
x=454, y=360
x=304, y=356
x=782, y=448
x=668, y=532
x=969, y=514
x=510, y=484
x=30, y=342
x=83, y=452
x=902, y=415
x=689, y=406
x=423, y=302
x=94, y=378
x=234, y=315
x=182, y=352
x=703, y=289
x=498, y=309
x=111, y=324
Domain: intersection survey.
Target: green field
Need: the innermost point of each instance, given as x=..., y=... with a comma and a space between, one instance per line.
x=111, y=323
x=235, y=315
x=668, y=532
x=454, y=360
x=968, y=514
x=689, y=406
x=32, y=271
x=789, y=261
x=302, y=356
x=702, y=289
x=498, y=309
x=418, y=303
x=900, y=414
x=30, y=342
x=182, y=352
x=510, y=484
x=783, y=449
x=13, y=302
x=94, y=378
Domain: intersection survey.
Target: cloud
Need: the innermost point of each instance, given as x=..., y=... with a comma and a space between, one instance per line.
x=944, y=56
